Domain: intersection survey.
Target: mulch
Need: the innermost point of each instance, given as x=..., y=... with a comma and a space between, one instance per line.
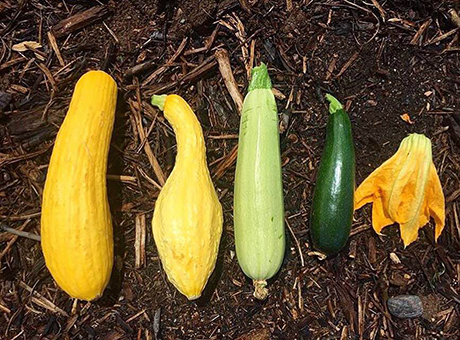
x=382, y=59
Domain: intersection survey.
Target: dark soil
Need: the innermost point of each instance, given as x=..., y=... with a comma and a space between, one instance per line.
x=307, y=46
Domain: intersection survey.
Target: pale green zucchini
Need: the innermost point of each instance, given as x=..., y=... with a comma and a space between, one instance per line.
x=258, y=197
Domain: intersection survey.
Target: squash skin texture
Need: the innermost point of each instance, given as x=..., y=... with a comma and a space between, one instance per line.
x=76, y=225
x=187, y=221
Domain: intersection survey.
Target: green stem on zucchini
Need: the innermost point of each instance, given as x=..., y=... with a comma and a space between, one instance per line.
x=260, y=78
x=334, y=105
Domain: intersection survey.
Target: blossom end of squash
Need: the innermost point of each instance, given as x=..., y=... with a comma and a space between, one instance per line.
x=260, y=289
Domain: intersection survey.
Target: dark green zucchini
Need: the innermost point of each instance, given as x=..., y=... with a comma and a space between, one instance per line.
x=332, y=207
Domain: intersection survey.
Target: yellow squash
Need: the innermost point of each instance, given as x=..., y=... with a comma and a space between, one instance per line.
x=76, y=226
x=187, y=221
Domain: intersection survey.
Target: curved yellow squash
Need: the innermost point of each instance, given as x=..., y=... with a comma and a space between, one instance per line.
x=187, y=221
x=76, y=226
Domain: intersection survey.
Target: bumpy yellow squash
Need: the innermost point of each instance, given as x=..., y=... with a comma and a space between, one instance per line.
x=76, y=226
x=187, y=221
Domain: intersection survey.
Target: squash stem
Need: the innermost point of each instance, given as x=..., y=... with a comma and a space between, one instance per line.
x=159, y=101
x=260, y=289
x=334, y=104
x=260, y=78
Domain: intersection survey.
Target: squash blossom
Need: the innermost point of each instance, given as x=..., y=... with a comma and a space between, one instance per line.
x=405, y=189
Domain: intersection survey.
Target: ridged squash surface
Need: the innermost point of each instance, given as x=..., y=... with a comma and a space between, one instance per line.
x=76, y=226
x=187, y=221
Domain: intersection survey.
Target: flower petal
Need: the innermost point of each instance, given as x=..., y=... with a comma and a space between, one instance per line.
x=405, y=189
x=407, y=201
x=435, y=201
x=380, y=218
x=381, y=179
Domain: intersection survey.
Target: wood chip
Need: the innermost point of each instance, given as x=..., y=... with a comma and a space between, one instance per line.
x=19, y=232
x=25, y=46
x=405, y=117
x=227, y=162
x=229, y=80
x=442, y=37
x=168, y=64
x=421, y=30
x=47, y=73
x=394, y=258
x=139, y=244
x=79, y=20
x=332, y=65
x=302, y=262
x=55, y=47
x=13, y=240
x=12, y=63
x=454, y=17
x=148, y=150
x=278, y=94
x=40, y=300
x=380, y=8
x=348, y=64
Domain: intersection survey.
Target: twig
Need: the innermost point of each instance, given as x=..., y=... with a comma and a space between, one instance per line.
x=229, y=79
x=19, y=217
x=348, y=64
x=148, y=150
x=14, y=159
x=122, y=178
x=5, y=309
x=331, y=67
x=112, y=33
x=139, y=68
x=42, y=301
x=151, y=181
x=302, y=262
x=139, y=244
x=193, y=75
x=18, y=232
x=12, y=62
x=454, y=17
x=420, y=31
x=226, y=163
x=380, y=8
x=206, y=46
x=13, y=240
x=163, y=68
x=442, y=37
x=55, y=47
x=359, y=229
x=370, y=12
x=79, y=20
x=47, y=73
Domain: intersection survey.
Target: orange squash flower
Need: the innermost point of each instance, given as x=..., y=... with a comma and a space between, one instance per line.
x=405, y=189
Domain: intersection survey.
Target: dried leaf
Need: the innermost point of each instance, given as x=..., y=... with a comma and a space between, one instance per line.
x=405, y=117
x=25, y=46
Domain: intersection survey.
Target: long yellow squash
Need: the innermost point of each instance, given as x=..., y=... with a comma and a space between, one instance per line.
x=187, y=221
x=76, y=227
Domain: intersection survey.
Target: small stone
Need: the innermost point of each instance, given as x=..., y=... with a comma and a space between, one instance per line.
x=405, y=306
